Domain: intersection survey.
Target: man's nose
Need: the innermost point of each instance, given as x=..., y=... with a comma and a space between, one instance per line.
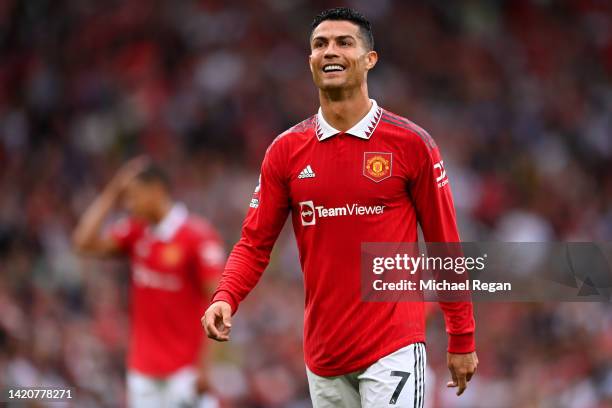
x=330, y=51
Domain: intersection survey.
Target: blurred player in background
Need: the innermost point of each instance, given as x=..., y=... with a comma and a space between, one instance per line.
x=176, y=259
x=352, y=173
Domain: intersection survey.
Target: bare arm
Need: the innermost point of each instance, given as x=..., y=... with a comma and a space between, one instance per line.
x=87, y=237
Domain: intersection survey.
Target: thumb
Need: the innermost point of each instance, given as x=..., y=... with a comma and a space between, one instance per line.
x=454, y=382
x=227, y=317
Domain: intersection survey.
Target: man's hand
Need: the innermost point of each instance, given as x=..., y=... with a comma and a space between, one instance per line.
x=462, y=367
x=87, y=237
x=217, y=321
x=127, y=173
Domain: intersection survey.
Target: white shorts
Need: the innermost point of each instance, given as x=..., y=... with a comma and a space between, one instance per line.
x=176, y=390
x=396, y=380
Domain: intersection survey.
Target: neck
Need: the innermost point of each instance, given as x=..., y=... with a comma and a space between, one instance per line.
x=343, y=108
x=161, y=211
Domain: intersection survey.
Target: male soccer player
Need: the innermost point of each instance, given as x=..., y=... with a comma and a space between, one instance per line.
x=176, y=259
x=351, y=153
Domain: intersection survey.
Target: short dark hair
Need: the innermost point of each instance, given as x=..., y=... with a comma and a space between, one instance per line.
x=347, y=14
x=153, y=173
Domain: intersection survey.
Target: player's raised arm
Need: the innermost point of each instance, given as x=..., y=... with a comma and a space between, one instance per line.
x=87, y=237
x=434, y=204
x=268, y=211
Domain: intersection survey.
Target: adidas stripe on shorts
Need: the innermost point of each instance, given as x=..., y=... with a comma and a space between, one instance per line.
x=396, y=380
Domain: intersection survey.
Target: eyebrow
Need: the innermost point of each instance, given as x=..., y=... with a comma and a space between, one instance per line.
x=340, y=37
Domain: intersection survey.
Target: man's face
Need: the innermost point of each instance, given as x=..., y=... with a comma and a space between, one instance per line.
x=140, y=199
x=338, y=55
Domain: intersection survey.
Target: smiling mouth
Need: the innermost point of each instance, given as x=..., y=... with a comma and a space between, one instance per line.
x=333, y=68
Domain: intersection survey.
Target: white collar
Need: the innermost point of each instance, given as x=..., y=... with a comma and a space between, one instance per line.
x=363, y=129
x=170, y=224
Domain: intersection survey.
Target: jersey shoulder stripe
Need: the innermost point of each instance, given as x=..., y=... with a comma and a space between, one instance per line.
x=298, y=129
x=301, y=127
x=404, y=123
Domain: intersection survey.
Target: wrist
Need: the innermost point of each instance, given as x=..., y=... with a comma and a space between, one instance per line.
x=112, y=191
x=225, y=296
x=461, y=343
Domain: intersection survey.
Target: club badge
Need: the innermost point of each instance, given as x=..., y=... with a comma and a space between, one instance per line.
x=377, y=166
x=172, y=255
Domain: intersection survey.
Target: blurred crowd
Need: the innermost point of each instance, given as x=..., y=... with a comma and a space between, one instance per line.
x=518, y=94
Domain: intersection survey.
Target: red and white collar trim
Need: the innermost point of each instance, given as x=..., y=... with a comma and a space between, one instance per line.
x=169, y=225
x=363, y=129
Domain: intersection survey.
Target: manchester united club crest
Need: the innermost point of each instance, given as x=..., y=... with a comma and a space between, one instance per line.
x=171, y=255
x=377, y=166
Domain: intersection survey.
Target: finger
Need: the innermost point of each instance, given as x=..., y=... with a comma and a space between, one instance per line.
x=209, y=325
x=462, y=383
x=219, y=324
x=453, y=382
x=223, y=321
x=227, y=317
x=211, y=331
x=473, y=371
x=138, y=161
x=471, y=374
x=133, y=167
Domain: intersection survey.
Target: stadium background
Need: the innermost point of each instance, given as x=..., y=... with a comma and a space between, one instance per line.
x=518, y=95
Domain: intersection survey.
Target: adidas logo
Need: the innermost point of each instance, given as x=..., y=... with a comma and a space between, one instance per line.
x=307, y=173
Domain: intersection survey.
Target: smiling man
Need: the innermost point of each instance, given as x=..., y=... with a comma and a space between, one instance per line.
x=352, y=173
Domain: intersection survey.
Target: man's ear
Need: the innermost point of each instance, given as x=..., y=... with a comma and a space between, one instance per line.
x=310, y=63
x=371, y=59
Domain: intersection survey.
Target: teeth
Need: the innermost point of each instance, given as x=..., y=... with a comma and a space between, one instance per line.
x=329, y=68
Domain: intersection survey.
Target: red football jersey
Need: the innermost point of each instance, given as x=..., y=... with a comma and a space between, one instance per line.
x=372, y=183
x=171, y=262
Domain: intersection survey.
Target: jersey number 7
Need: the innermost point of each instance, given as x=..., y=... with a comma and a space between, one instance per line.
x=404, y=377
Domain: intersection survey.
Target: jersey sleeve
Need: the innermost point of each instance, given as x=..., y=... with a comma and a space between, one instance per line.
x=267, y=214
x=125, y=233
x=431, y=193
